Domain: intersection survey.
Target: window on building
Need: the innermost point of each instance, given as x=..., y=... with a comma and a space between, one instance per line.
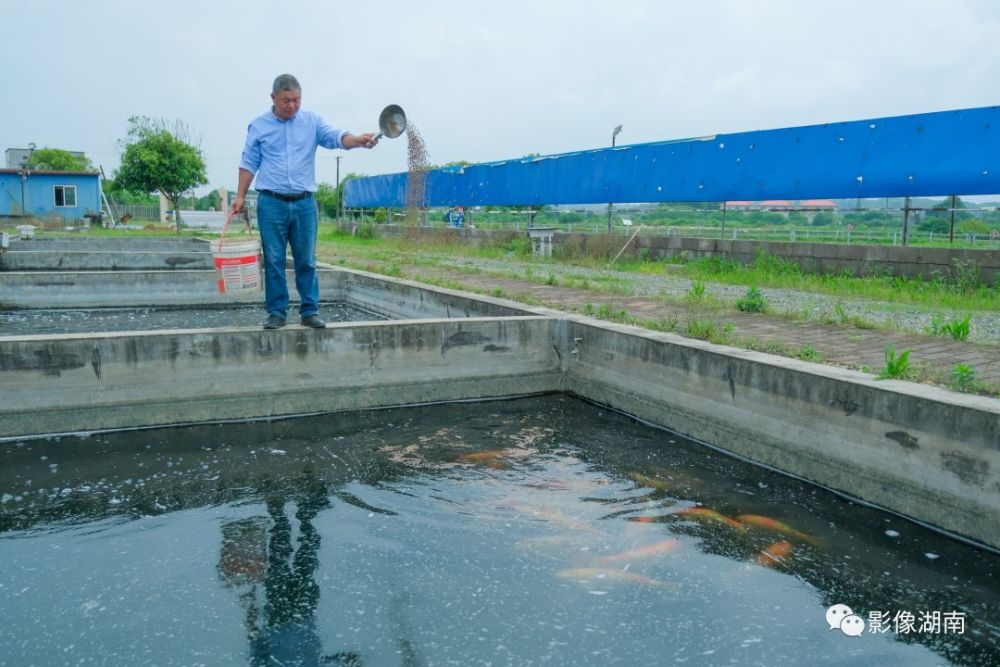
x=65, y=195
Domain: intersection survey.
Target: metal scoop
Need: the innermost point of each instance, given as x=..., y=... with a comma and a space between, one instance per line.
x=391, y=122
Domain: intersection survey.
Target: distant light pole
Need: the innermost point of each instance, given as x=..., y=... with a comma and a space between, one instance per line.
x=339, y=197
x=614, y=133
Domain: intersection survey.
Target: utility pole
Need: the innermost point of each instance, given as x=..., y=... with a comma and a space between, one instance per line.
x=614, y=134
x=339, y=197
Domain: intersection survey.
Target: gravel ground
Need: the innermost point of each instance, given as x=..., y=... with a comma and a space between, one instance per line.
x=984, y=327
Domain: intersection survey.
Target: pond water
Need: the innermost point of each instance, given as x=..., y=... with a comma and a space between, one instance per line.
x=541, y=531
x=90, y=320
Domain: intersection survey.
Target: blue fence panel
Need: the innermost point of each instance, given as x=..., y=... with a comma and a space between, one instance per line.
x=942, y=153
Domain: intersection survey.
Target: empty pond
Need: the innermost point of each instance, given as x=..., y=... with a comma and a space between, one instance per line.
x=538, y=531
x=90, y=320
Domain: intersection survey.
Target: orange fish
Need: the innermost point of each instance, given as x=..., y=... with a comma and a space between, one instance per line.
x=655, y=549
x=647, y=518
x=647, y=481
x=492, y=459
x=704, y=514
x=775, y=555
x=776, y=526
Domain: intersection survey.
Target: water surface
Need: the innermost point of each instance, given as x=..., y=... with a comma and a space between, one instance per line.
x=90, y=320
x=542, y=531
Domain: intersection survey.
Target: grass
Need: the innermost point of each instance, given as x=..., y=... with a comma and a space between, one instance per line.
x=956, y=328
x=753, y=302
x=809, y=353
x=896, y=366
x=963, y=378
x=703, y=318
x=965, y=291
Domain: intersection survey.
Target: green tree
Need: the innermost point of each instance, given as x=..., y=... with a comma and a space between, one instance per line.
x=328, y=196
x=933, y=223
x=210, y=202
x=822, y=219
x=328, y=199
x=154, y=159
x=56, y=159
x=973, y=226
x=112, y=191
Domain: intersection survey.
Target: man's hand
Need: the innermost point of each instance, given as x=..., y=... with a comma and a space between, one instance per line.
x=366, y=140
x=239, y=206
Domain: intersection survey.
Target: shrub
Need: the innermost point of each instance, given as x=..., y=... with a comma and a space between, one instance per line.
x=963, y=378
x=697, y=292
x=809, y=353
x=956, y=328
x=703, y=329
x=753, y=302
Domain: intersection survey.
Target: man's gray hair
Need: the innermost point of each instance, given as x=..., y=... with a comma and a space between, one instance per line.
x=285, y=82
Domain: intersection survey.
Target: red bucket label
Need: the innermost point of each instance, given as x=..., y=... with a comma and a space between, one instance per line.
x=235, y=274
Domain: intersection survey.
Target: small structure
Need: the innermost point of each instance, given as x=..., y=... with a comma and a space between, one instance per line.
x=541, y=240
x=70, y=195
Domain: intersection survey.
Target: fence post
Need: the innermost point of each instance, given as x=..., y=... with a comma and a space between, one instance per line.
x=906, y=221
x=951, y=234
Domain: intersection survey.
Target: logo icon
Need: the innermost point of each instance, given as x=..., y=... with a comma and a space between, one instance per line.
x=841, y=616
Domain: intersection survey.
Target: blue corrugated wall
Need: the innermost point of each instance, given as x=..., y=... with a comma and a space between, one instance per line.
x=943, y=153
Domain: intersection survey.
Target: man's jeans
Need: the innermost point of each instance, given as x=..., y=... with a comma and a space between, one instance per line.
x=282, y=224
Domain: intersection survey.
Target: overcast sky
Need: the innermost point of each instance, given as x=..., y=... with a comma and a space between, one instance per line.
x=483, y=80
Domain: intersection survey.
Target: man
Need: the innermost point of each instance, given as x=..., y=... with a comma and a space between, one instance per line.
x=281, y=152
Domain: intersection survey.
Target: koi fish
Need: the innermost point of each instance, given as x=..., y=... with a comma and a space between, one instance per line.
x=553, y=516
x=775, y=555
x=607, y=576
x=655, y=549
x=647, y=518
x=705, y=515
x=648, y=481
x=550, y=542
x=492, y=459
x=776, y=526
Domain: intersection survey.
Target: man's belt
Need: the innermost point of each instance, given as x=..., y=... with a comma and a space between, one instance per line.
x=283, y=197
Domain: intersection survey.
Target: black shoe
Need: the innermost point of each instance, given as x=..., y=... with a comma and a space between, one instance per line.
x=313, y=321
x=274, y=322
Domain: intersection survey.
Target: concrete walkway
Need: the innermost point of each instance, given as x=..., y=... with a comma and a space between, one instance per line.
x=933, y=358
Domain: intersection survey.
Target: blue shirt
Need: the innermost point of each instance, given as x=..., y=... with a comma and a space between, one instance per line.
x=283, y=152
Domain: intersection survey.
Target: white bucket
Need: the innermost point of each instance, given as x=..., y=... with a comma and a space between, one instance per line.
x=237, y=265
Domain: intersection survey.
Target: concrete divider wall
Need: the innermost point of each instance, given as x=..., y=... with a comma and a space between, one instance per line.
x=106, y=254
x=104, y=289
x=917, y=450
x=68, y=383
x=402, y=299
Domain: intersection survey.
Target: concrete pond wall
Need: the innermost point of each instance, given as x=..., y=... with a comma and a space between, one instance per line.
x=927, y=453
x=106, y=254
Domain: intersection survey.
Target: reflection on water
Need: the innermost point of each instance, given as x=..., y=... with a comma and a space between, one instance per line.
x=70, y=320
x=538, y=531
